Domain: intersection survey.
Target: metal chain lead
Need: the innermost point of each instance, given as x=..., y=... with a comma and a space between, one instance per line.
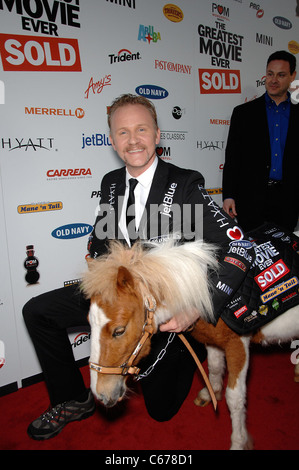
x=159, y=357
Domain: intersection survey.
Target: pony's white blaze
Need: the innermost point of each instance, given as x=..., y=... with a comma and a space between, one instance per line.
x=97, y=320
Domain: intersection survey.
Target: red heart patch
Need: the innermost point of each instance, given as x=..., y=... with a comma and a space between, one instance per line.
x=159, y=151
x=235, y=233
x=220, y=9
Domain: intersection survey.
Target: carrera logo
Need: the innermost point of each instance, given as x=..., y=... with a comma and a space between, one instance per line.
x=272, y=274
x=39, y=54
x=215, y=81
x=63, y=173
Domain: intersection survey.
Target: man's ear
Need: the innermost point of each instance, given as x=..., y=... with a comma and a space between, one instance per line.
x=158, y=136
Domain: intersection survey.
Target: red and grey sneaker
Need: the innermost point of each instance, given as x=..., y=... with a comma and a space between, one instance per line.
x=52, y=421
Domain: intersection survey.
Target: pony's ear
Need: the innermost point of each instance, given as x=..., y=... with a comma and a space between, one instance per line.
x=124, y=278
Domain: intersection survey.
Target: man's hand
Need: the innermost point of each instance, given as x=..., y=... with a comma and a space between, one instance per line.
x=229, y=206
x=180, y=322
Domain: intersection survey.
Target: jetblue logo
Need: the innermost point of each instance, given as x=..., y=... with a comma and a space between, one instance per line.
x=152, y=92
x=71, y=231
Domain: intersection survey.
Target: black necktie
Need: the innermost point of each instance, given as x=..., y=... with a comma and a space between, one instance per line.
x=131, y=201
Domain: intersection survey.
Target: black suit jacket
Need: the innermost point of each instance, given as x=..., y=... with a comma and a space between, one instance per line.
x=174, y=188
x=248, y=161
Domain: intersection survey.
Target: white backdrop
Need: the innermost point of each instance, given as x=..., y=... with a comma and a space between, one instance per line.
x=62, y=63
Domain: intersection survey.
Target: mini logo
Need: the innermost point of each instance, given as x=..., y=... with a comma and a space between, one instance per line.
x=152, y=92
x=66, y=232
x=173, y=13
x=32, y=54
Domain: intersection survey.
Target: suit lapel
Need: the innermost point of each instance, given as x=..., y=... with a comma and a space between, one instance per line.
x=155, y=196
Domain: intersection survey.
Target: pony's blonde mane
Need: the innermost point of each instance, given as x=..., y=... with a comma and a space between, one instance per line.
x=176, y=275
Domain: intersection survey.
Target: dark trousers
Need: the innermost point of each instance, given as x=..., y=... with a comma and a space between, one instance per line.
x=48, y=317
x=276, y=207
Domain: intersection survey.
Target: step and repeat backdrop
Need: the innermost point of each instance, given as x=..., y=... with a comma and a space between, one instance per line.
x=62, y=62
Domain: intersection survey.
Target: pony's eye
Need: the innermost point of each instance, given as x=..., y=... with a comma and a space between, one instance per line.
x=119, y=331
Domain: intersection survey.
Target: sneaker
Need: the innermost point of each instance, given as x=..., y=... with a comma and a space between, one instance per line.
x=50, y=423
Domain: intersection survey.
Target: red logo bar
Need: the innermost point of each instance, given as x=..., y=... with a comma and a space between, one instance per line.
x=272, y=274
x=39, y=54
x=216, y=81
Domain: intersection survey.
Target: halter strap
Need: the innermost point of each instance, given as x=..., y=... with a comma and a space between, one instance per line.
x=147, y=332
x=128, y=369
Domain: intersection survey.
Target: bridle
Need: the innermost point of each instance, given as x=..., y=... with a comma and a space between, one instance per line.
x=127, y=367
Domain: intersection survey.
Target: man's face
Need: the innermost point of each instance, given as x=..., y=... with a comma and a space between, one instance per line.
x=278, y=79
x=134, y=137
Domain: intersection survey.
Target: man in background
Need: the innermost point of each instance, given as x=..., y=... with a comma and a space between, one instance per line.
x=260, y=175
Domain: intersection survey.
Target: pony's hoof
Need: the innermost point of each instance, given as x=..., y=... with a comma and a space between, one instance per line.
x=296, y=378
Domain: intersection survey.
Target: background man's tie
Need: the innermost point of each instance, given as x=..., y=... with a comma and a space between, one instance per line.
x=131, y=201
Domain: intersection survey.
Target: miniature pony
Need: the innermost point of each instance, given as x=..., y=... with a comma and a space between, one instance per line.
x=133, y=291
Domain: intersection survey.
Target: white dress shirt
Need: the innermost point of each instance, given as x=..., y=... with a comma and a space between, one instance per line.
x=141, y=194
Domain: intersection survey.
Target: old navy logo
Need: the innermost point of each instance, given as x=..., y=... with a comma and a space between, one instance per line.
x=152, y=92
x=168, y=200
x=72, y=231
x=241, y=244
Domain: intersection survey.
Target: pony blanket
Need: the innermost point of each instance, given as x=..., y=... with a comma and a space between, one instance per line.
x=272, y=284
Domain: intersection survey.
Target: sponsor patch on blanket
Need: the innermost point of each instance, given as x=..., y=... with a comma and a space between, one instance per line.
x=272, y=284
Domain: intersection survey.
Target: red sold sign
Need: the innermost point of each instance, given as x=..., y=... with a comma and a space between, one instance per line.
x=215, y=81
x=272, y=274
x=39, y=54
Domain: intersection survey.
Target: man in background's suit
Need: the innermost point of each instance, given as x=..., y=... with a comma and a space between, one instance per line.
x=161, y=190
x=260, y=175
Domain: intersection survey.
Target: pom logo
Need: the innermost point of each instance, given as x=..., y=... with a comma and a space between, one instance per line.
x=39, y=54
